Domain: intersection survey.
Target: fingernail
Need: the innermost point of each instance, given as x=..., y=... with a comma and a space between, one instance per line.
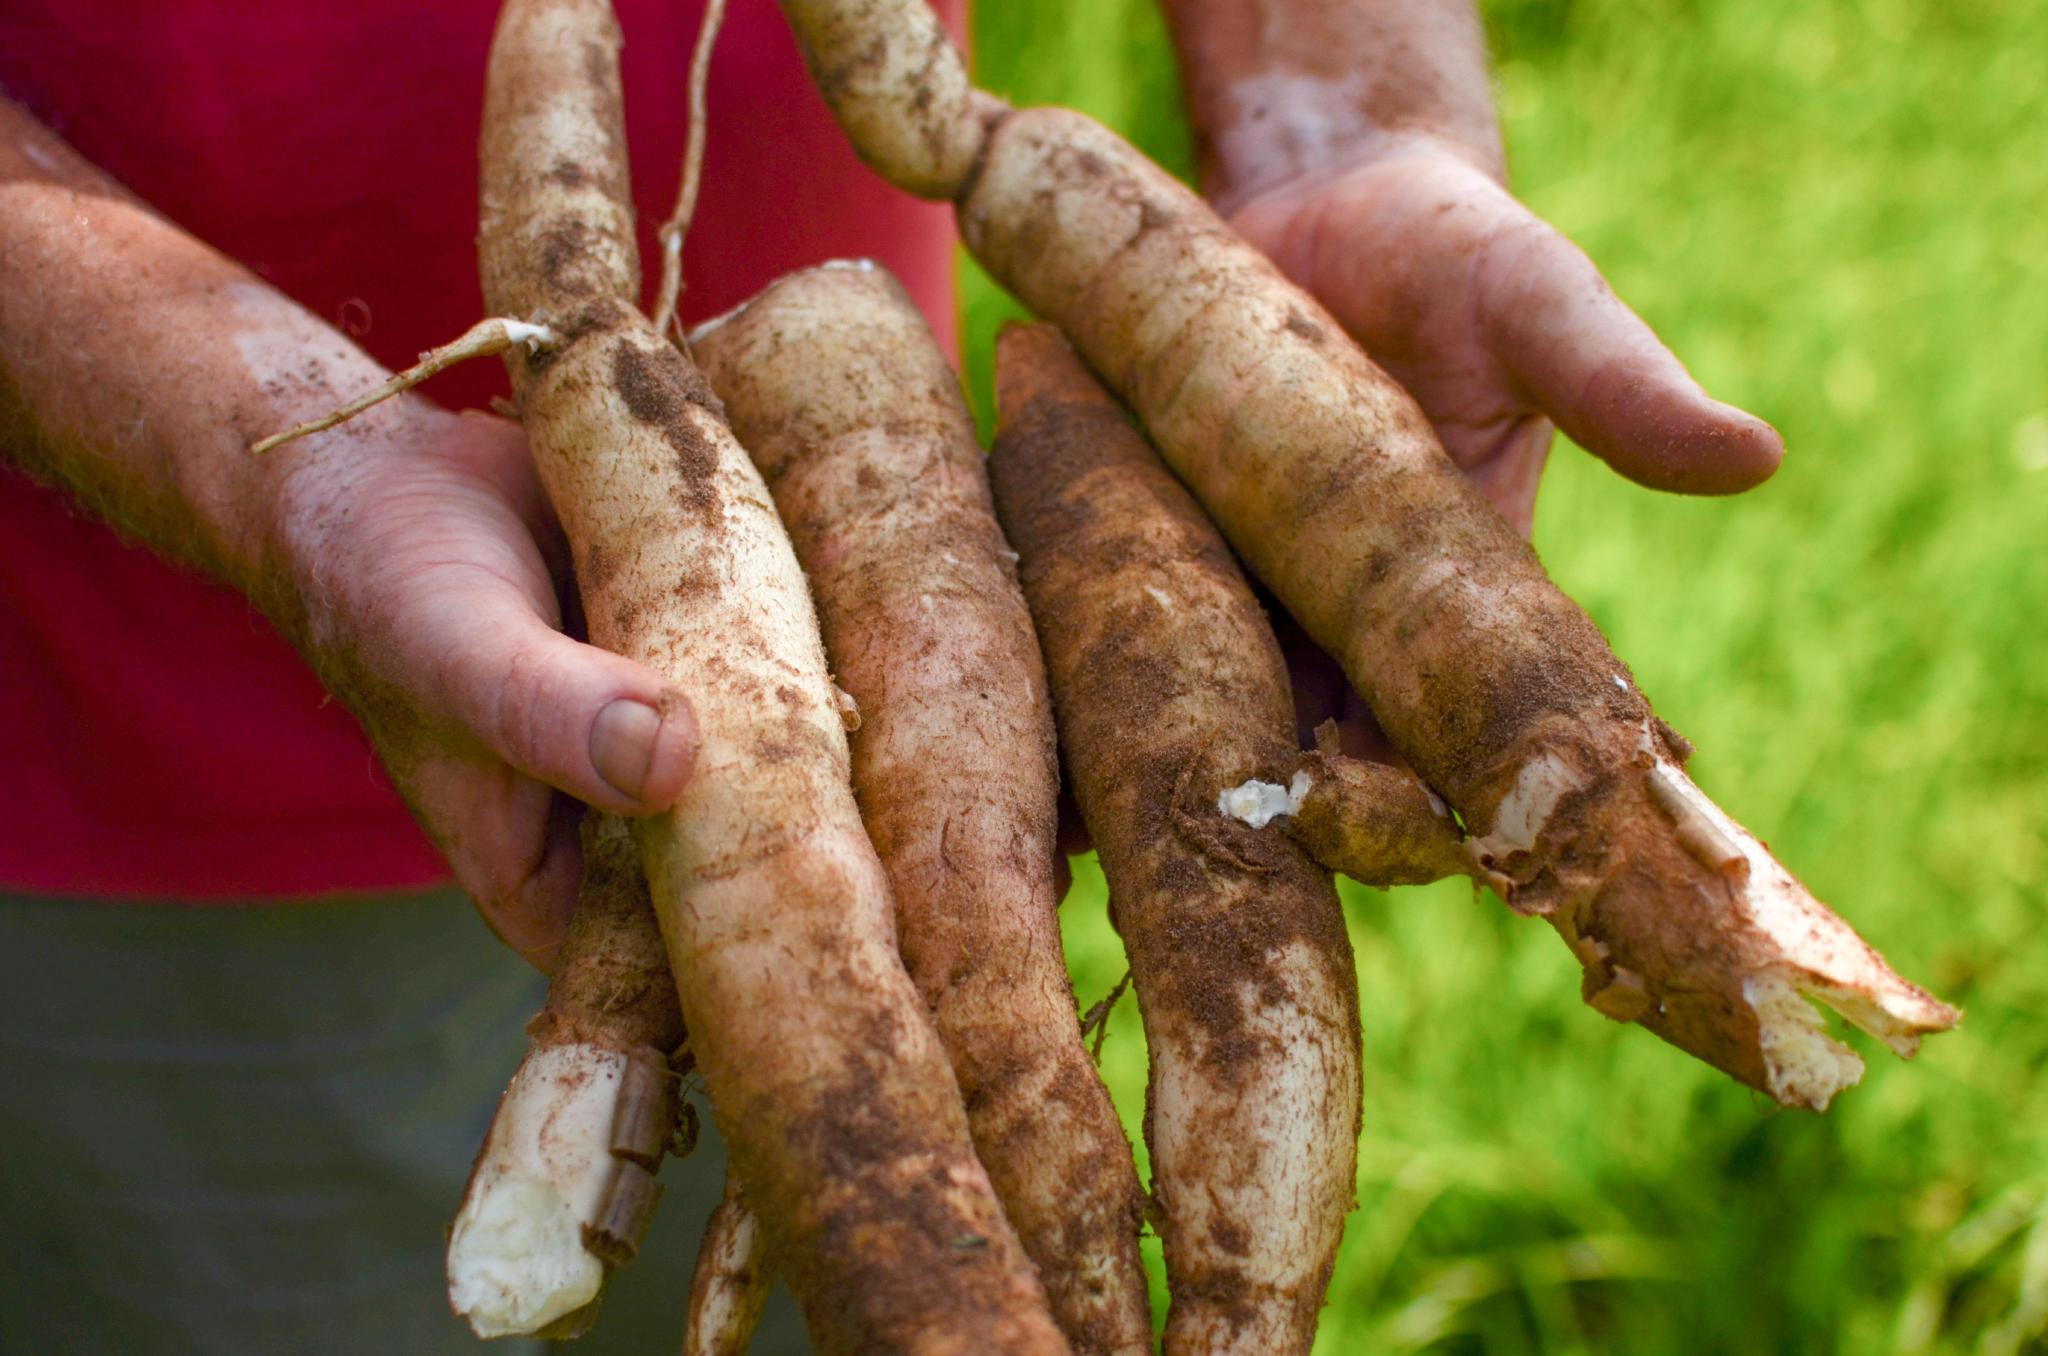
x=622, y=741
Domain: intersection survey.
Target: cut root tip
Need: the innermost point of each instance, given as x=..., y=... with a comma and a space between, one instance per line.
x=1781, y=952
x=562, y=1190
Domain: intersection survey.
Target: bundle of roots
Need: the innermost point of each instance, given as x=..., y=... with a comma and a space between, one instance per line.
x=851, y=910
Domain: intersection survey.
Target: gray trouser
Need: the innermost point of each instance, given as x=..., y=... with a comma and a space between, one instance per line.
x=244, y=1130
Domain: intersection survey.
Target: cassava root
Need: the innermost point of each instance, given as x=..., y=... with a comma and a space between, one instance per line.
x=564, y=1185
x=1170, y=688
x=1375, y=823
x=1325, y=477
x=484, y=339
x=730, y=1285
x=823, y=1071
x=895, y=83
x=677, y=227
x=856, y=421
x=1496, y=687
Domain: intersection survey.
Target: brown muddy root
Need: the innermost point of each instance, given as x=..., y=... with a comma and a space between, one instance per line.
x=826, y=1078
x=1170, y=688
x=564, y=1184
x=1497, y=688
x=1375, y=823
x=850, y=410
x=730, y=1285
x=611, y=985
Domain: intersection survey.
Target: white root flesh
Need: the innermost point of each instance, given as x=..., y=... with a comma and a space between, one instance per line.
x=1814, y=958
x=1258, y=803
x=516, y=1255
x=1784, y=951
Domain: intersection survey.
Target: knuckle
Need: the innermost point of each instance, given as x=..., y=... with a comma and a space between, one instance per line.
x=527, y=703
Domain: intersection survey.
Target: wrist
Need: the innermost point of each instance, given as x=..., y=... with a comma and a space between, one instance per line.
x=1283, y=90
x=1234, y=185
x=305, y=520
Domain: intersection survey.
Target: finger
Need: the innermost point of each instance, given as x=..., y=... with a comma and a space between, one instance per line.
x=1508, y=468
x=494, y=450
x=1070, y=840
x=602, y=728
x=513, y=845
x=1320, y=688
x=1605, y=378
x=1359, y=734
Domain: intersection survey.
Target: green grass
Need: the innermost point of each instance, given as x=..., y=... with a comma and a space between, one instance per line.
x=1838, y=215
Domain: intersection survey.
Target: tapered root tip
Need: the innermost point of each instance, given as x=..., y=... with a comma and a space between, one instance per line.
x=731, y=1282
x=1698, y=934
x=1732, y=972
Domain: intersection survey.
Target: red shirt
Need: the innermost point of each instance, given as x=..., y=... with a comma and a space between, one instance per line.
x=157, y=739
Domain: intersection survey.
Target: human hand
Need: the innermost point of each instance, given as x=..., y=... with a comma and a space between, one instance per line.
x=1496, y=324
x=418, y=549
x=1501, y=329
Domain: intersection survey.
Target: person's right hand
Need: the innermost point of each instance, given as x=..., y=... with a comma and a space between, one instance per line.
x=417, y=547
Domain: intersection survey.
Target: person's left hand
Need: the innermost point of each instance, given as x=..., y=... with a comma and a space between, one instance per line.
x=1497, y=325
x=1501, y=329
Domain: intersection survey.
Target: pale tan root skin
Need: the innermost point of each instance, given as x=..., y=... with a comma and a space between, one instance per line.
x=838, y=390
x=1377, y=824
x=1170, y=687
x=730, y=1286
x=898, y=86
x=611, y=985
x=827, y=1080
x=1498, y=690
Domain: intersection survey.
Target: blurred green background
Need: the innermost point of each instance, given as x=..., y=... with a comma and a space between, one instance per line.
x=1837, y=214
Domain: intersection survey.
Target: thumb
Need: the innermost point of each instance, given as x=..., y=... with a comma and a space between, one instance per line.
x=600, y=727
x=1600, y=373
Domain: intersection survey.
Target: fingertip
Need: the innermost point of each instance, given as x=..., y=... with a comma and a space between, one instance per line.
x=1743, y=450
x=643, y=747
x=1609, y=383
x=530, y=913
x=675, y=752
x=1672, y=436
x=542, y=956
x=1718, y=449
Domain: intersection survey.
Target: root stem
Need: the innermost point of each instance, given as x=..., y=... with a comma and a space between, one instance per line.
x=1096, y=1019
x=677, y=226
x=481, y=340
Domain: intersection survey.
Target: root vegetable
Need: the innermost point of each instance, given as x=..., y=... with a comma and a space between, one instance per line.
x=564, y=1185
x=481, y=340
x=854, y=417
x=731, y=1283
x=677, y=227
x=1170, y=688
x=896, y=85
x=1326, y=478
x=1377, y=824
x=825, y=1075
x=1498, y=689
